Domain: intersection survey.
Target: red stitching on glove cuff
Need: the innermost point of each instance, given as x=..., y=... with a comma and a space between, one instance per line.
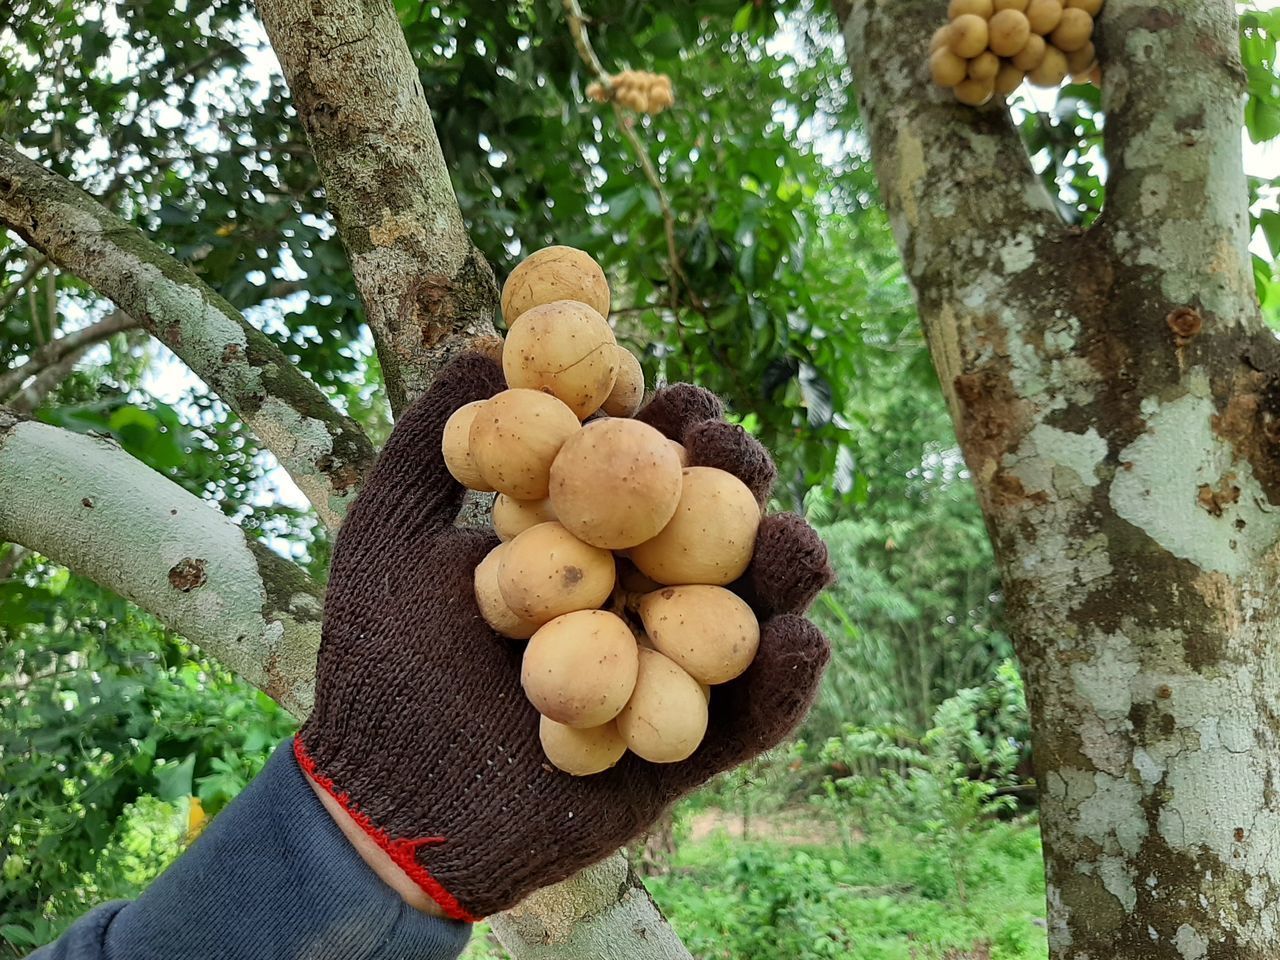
x=402, y=852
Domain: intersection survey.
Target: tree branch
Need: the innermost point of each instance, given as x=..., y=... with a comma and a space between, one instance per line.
x=1175, y=194
x=325, y=452
x=601, y=913
x=967, y=210
x=675, y=268
x=85, y=503
x=426, y=289
x=15, y=291
x=74, y=343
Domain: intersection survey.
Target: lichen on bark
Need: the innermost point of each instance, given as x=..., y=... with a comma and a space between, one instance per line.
x=325, y=452
x=1114, y=394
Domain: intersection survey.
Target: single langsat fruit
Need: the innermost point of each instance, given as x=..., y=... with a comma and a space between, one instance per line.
x=946, y=68
x=709, y=631
x=984, y=66
x=1032, y=55
x=975, y=93
x=580, y=669
x=1073, y=30
x=666, y=717
x=616, y=483
x=1008, y=79
x=512, y=517
x=546, y=571
x=967, y=36
x=456, y=446
x=1052, y=70
x=554, y=273
x=710, y=537
x=514, y=438
x=1044, y=15
x=1010, y=30
x=493, y=607
x=581, y=752
x=564, y=348
x=628, y=388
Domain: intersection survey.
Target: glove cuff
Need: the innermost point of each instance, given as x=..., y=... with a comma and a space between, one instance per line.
x=403, y=852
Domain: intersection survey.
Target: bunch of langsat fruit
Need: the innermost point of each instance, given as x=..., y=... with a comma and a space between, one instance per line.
x=615, y=556
x=990, y=46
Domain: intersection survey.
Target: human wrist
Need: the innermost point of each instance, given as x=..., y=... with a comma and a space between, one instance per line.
x=379, y=860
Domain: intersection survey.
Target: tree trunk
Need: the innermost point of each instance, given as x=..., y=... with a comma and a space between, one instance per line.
x=602, y=913
x=1115, y=393
x=426, y=289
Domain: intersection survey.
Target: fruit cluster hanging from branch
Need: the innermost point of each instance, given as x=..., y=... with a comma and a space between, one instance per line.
x=637, y=90
x=616, y=556
x=990, y=47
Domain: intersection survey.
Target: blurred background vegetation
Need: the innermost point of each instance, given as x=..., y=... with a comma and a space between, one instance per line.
x=901, y=823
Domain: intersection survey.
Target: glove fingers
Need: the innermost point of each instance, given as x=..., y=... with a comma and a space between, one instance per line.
x=789, y=568
x=410, y=492
x=728, y=447
x=676, y=408
x=762, y=707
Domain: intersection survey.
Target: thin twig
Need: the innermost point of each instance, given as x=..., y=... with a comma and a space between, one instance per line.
x=26, y=400
x=676, y=276
x=15, y=291
x=73, y=344
x=33, y=303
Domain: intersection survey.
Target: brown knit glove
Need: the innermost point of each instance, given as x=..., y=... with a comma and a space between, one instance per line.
x=420, y=727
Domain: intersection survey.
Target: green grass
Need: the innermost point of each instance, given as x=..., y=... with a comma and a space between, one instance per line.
x=888, y=898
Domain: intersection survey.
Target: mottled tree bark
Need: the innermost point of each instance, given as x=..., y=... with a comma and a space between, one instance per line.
x=1115, y=395
x=324, y=451
x=426, y=289
x=427, y=292
x=85, y=503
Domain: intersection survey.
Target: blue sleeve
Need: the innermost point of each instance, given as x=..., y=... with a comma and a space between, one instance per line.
x=271, y=877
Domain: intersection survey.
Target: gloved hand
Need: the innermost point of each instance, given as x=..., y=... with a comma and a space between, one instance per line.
x=420, y=727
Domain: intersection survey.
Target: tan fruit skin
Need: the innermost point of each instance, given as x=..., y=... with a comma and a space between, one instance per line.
x=628, y=388
x=984, y=66
x=554, y=273
x=1032, y=55
x=710, y=632
x=968, y=36
x=514, y=438
x=580, y=669
x=1052, y=70
x=493, y=608
x=1009, y=79
x=563, y=348
x=980, y=8
x=710, y=536
x=456, y=447
x=581, y=752
x=1044, y=15
x=1010, y=30
x=512, y=517
x=946, y=68
x=1073, y=31
x=546, y=572
x=974, y=93
x=666, y=717
x=615, y=483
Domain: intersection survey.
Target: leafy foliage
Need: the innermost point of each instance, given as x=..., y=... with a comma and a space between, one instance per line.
x=941, y=785
x=104, y=710
x=762, y=899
